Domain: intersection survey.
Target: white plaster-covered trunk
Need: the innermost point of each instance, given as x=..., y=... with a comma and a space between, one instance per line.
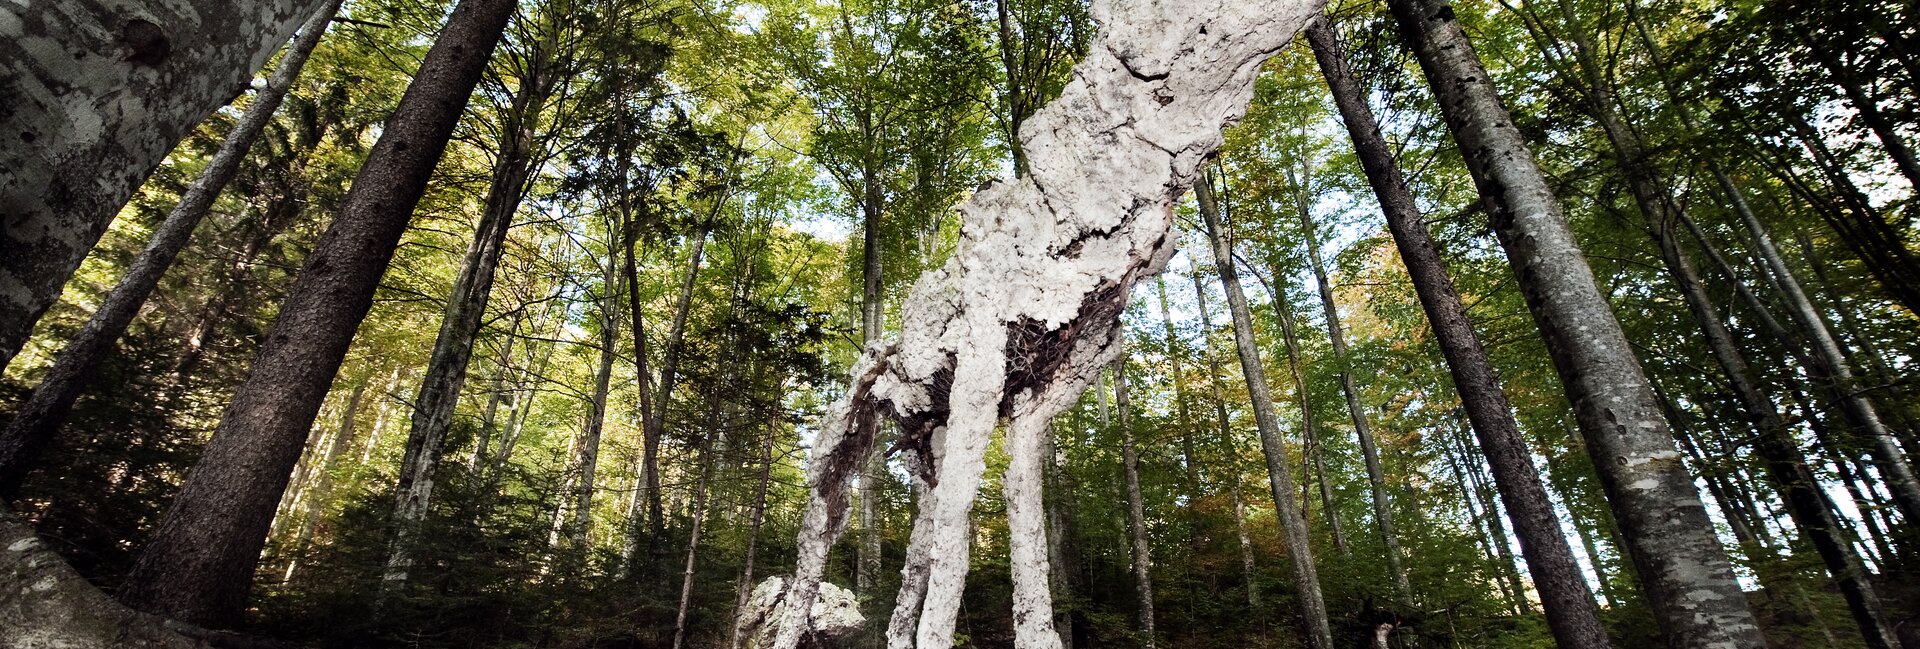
x=1023, y=316
x=96, y=94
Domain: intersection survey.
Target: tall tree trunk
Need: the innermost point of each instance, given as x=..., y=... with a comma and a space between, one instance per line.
x=1313, y=610
x=656, y=425
x=1682, y=567
x=1140, y=548
x=698, y=510
x=744, y=586
x=586, y=458
x=1224, y=429
x=1311, y=447
x=1786, y=467
x=466, y=308
x=873, y=309
x=200, y=561
x=40, y=417
x=1343, y=361
x=1062, y=561
x=1556, y=575
x=98, y=94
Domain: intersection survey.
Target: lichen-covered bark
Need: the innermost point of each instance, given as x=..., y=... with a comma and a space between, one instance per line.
x=36, y=421
x=96, y=94
x=45, y=604
x=1682, y=567
x=1025, y=313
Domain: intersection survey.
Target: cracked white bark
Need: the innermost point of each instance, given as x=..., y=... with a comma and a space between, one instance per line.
x=1025, y=313
x=97, y=93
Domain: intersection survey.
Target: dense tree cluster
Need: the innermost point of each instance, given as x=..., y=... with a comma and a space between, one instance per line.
x=566, y=323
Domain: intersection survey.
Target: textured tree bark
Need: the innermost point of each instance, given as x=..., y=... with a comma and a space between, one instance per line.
x=1024, y=314
x=1786, y=466
x=200, y=561
x=466, y=308
x=1563, y=592
x=1293, y=527
x=98, y=93
x=40, y=417
x=1682, y=567
x=1139, y=547
x=46, y=605
x=1376, y=476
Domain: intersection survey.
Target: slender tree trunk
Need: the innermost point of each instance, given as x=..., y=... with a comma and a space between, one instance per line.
x=1829, y=367
x=586, y=460
x=1683, y=569
x=1315, y=460
x=1141, y=548
x=1376, y=476
x=97, y=97
x=744, y=586
x=656, y=425
x=202, y=555
x=1313, y=610
x=1556, y=575
x=873, y=311
x=698, y=510
x=1481, y=530
x=40, y=417
x=439, y=395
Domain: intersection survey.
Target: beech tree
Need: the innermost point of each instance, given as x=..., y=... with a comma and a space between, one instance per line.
x=101, y=95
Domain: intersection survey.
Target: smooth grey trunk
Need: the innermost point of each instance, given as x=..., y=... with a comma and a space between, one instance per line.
x=586, y=459
x=1681, y=566
x=1556, y=575
x=1376, y=476
x=1313, y=610
x=1140, y=548
x=98, y=93
x=199, y=562
x=39, y=418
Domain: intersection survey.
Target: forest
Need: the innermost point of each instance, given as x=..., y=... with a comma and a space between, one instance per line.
x=1048, y=324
